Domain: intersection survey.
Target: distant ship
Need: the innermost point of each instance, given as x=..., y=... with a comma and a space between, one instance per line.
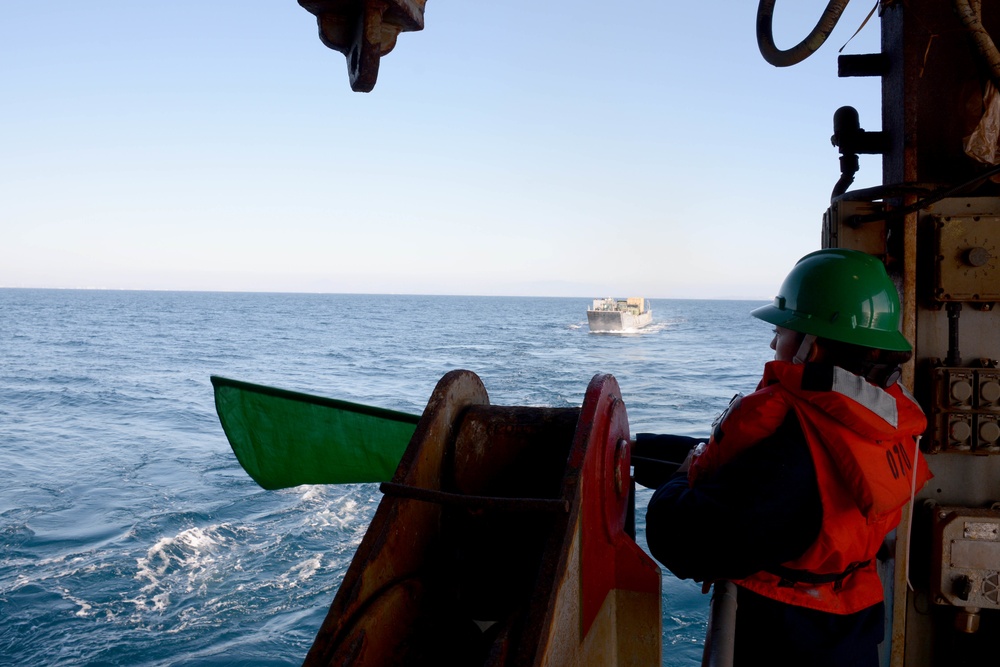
x=619, y=314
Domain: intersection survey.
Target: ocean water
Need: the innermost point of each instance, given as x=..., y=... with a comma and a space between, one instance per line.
x=129, y=535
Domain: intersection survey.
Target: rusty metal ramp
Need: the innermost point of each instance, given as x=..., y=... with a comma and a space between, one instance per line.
x=502, y=540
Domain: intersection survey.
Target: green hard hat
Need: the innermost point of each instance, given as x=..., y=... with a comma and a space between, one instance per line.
x=842, y=295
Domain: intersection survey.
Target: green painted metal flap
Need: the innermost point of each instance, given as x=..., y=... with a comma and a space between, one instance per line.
x=285, y=438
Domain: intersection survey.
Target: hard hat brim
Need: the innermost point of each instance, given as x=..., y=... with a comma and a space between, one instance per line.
x=879, y=339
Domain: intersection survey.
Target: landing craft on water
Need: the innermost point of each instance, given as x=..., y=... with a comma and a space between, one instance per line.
x=619, y=314
x=935, y=224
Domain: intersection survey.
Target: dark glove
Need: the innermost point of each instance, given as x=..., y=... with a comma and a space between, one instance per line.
x=656, y=457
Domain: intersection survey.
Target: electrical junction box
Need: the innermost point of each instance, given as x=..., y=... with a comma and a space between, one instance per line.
x=966, y=412
x=966, y=565
x=967, y=254
x=840, y=229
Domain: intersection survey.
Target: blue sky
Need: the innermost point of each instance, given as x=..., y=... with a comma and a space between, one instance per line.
x=513, y=147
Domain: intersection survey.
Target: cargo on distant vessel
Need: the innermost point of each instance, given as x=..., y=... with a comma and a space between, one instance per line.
x=619, y=314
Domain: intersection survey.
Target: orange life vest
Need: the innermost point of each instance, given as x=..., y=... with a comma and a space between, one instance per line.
x=862, y=439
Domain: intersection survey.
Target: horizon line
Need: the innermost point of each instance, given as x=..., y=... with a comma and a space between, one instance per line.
x=321, y=293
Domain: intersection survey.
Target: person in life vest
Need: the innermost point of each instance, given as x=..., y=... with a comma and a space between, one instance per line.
x=802, y=480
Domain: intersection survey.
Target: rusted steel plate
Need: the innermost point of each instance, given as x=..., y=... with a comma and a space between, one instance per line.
x=398, y=544
x=501, y=540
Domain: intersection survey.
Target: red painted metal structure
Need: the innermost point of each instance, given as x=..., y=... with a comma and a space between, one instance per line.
x=503, y=539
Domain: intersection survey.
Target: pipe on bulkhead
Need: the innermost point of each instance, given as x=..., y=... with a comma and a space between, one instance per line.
x=720, y=637
x=852, y=139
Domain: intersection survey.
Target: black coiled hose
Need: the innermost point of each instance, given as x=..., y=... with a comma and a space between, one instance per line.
x=805, y=48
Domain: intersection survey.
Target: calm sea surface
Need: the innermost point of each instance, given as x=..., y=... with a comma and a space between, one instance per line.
x=129, y=535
